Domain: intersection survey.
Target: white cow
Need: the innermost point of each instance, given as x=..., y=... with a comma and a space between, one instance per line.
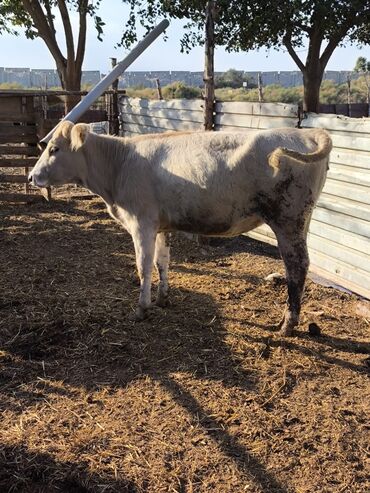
x=207, y=183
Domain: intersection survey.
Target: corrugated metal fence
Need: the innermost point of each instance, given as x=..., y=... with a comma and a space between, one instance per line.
x=339, y=236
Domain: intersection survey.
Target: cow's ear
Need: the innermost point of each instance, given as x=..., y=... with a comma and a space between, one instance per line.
x=64, y=129
x=79, y=135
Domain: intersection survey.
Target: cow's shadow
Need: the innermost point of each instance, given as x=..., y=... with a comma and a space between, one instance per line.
x=25, y=470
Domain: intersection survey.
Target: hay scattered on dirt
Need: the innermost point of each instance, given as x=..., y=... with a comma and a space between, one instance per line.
x=202, y=397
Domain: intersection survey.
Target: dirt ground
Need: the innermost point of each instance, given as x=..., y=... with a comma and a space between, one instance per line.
x=202, y=397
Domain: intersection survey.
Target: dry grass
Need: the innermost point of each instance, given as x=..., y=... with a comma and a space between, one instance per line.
x=202, y=397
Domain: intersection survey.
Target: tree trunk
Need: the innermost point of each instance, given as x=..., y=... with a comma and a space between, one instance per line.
x=71, y=81
x=312, y=78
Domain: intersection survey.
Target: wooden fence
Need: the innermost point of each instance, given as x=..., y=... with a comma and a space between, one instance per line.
x=140, y=116
x=339, y=236
x=18, y=143
x=26, y=117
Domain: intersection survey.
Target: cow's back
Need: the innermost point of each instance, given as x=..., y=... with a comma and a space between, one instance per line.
x=210, y=182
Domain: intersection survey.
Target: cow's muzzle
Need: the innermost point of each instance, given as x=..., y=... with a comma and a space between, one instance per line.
x=36, y=180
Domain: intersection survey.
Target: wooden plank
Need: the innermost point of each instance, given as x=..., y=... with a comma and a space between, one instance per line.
x=184, y=115
x=229, y=128
x=17, y=162
x=349, y=142
x=141, y=129
x=346, y=174
x=11, y=104
x=179, y=104
x=344, y=206
x=19, y=150
x=348, y=223
x=338, y=280
x=359, y=159
x=177, y=125
x=18, y=117
x=340, y=236
x=13, y=179
x=14, y=130
x=337, y=123
x=347, y=190
x=250, y=121
x=343, y=253
x=260, y=109
x=346, y=275
x=19, y=139
x=257, y=235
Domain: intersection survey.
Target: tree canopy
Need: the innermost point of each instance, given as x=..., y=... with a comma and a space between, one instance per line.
x=362, y=65
x=323, y=25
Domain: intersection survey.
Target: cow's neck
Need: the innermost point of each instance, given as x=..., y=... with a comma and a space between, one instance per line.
x=103, y=167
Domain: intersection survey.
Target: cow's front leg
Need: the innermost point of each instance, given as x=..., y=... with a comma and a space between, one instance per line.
x=144, y=241
x=293, y=249
x=161, y=261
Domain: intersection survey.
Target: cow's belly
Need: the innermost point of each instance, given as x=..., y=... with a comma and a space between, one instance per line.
x=209, y=227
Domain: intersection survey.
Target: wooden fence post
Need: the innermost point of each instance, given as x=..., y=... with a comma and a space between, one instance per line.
x=114, y=111
x=209, y=82
x=260, y=87
x=159, y=89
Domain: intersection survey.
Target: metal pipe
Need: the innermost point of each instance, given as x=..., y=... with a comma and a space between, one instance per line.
x=102, y=85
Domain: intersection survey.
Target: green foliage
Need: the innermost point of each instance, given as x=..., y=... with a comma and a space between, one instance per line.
x=234, y=79
x=273, y=93
x=362, y=65
x=142, y=92
x=179, y=90
x=176, y=90
x=331, y=93
x=11, y=85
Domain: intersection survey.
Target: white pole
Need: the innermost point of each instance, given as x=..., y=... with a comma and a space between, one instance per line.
x=101, y=86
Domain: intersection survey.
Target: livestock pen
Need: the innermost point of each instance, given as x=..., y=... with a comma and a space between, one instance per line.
x=202, y=397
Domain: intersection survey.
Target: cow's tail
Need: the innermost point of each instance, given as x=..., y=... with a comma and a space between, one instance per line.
x=324, y=146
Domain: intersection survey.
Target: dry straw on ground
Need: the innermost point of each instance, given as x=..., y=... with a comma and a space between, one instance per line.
x=202, y=397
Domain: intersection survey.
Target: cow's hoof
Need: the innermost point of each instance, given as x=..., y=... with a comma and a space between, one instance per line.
x=139, y=315
x=286, y=331
x=162, y=300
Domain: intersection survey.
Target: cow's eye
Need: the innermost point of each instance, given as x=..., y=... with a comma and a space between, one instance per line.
x=53, y=150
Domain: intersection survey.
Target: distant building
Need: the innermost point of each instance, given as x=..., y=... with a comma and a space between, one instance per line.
x=19, y=75
x=46, y=78
x=90, y=77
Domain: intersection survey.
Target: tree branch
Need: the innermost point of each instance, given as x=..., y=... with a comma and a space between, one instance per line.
x=333, y=43
x=67, y=30
x=49, y=16
x=82, y=33
x=33, y=8
x=287, y=40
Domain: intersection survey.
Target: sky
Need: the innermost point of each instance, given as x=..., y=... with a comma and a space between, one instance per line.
x=21, y=52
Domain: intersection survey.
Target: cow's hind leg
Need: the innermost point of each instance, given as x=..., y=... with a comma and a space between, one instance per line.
x=161, y=261
x=144, y=242
x=293, y=249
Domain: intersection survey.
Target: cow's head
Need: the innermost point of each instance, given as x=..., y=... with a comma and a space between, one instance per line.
x=62, y=160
